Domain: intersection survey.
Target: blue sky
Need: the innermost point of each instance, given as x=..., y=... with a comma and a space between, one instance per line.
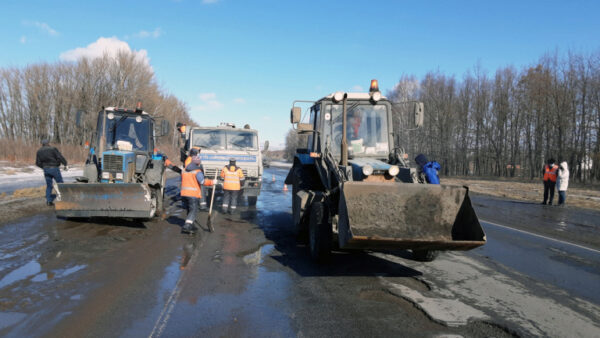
x=246, y=61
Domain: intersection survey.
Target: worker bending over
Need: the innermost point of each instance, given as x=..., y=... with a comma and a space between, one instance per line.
x=233, y=178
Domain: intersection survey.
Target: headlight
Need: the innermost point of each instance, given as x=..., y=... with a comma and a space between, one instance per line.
x=394, y=170
x=338, y=96
x=367, y=170
x=119, y=176
x=376, y=96
x=105, y=175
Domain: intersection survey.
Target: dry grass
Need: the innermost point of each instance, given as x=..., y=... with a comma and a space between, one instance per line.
x=23, y=153
x=584, y=197
x=30, y=192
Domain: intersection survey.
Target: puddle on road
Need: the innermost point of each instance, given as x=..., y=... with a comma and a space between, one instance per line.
x=257, y=257
x=10, y=318
x=44, y=276
x=21, y=273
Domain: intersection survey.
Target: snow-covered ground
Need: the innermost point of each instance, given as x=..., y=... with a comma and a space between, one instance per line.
x=13, y=178
x=281, y=164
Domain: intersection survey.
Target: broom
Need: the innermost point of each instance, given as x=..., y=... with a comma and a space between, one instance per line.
x=212, y=198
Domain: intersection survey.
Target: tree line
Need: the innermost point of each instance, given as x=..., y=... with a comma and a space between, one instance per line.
x=509, y=123
x=41, y=100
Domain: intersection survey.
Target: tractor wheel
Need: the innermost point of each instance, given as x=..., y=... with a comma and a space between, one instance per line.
x=158, y=200
x=425, y=255
x=252, y=200
x=319, y=232
x=300, y=229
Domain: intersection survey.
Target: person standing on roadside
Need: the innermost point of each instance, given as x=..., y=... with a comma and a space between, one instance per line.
x=550, y=174
x=232, y=184
x=49, y=159
x=562, y=182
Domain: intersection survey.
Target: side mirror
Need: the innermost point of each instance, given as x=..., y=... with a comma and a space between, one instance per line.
x=266, y=147
x=305, y=127
x=165, y=127
x=295, y=115
x=78, y=118
x=419, y=114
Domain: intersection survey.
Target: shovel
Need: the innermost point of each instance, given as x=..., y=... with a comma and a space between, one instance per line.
x=212, y=199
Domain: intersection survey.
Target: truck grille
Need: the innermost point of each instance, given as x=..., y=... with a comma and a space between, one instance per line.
x=113, y=163
x=210, y=172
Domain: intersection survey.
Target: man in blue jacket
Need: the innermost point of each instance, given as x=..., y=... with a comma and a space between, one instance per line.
x=428, y=169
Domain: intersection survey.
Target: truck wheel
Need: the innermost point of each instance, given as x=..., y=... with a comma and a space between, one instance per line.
x=319, y=232
x=425, y=255
x=252, y=200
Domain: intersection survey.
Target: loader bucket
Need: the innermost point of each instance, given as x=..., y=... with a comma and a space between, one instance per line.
x=379, y=215
x=104, y=200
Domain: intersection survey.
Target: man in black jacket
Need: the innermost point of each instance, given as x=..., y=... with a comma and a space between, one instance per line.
x=49, y=159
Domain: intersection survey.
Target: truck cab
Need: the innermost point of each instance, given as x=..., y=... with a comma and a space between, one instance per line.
x=218, y=144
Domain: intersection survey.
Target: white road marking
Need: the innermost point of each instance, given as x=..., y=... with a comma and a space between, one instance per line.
x=541, y=236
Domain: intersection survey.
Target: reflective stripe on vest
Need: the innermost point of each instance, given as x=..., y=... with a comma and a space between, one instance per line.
x=232, y=178
x=550, y=173
x=189, y=184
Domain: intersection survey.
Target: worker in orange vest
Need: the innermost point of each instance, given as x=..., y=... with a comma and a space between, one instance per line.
x=233, y=180
x=192, y=178
x=550, y=174
x=193, y=152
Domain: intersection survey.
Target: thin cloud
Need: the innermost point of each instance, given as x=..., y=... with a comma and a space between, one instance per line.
x=239, y=100
x=23, y=39
x=104, y=46
x=356, y=88
x=44, y=27
x=144, y=34
x=208, y=2
x=209, y=103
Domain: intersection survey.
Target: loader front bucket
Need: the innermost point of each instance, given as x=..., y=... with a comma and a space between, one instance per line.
x=104, y=200
x=374, y=215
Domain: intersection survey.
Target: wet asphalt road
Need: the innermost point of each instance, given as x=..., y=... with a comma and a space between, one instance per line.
x=251, y=278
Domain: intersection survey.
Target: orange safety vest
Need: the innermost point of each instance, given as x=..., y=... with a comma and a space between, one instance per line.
x=550, y=173
x=189, y=184
x=232, y=177
x=188, y=160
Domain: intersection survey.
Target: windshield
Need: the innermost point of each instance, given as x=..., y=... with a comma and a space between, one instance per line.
x=220, y=139
x=366, y=130
x=126, y=133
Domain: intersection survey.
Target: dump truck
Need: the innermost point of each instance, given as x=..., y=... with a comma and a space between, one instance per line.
x=219, y=144
x=123, y=176
x=353, y=187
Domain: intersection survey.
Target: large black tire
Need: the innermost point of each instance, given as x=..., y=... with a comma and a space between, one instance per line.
x=252, y=200
x=319, y=233
x=425, y=255
x=300, y=182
